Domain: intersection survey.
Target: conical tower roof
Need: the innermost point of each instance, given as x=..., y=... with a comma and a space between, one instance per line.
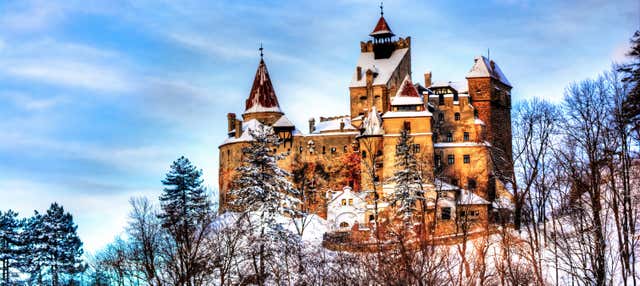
x=262, y=97
x=382, y=29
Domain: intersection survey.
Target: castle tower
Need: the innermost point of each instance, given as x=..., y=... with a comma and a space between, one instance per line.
x=490, y=95
x=383, y=64
x=262, y=103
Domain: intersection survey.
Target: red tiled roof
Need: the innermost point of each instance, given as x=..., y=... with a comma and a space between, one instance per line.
x=262, y=92
x=382, y=28
x=408, y=89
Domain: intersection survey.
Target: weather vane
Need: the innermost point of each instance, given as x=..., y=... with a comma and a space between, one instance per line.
x=381, y=9
x=260, y=49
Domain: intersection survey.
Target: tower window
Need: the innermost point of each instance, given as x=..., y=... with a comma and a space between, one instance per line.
x=471, y=184
x=457, y=116
x=343, y=202
x=449, y=137
x=467, y=159
x=445, y=213
x=466, y=136
x=451, y=159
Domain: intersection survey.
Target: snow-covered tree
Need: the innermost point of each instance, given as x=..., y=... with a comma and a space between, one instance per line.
x=262, y=189
x=186, y=215
x=261, y=186
x=9, y=244
x=407, y=178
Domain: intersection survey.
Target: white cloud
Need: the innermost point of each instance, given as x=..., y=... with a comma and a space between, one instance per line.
x=70, y=73
x=30, y=103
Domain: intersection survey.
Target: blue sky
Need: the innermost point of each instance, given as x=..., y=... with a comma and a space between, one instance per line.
x=97, y=98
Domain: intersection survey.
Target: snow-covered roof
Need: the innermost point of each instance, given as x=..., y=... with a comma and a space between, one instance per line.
x=478, y=121
x=407, y=94
x=459, y=86
x=484, y=67
x=252, y=124
x=373, y=123
x=262, y=97
x=384, y=67
x=333, y=125
x=469, y=198
x=397, y=114
x=283, y=121
x=347, y=190
x=441, y=185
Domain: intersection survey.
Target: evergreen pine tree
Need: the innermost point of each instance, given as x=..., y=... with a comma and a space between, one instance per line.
x=407, y=178
x=62, y=246
x=9, y=244
x=631, y=106
x=33, y=249
x=186, y=215
x=261, y=186
x=184, y=200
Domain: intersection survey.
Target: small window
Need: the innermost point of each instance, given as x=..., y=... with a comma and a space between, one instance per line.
x=416, y=148
x=449, y=137
x=407, y=126
x=471, y=184
x=372, y=218
x=455, y=97
x=344, y=148
x=333, y=150
x=364, y=154
x=350, y=202
x=467, y=159
x=445, y=213
x=364, y=97
x=344, y=224
x=466, y=136
x=324, y=150
x=300, y=149
x=451, y=159
x=441, y=117
x=343, y=202
x=457, y=116
x=441, y=99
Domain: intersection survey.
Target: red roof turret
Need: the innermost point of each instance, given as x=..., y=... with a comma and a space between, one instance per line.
x=262, y=97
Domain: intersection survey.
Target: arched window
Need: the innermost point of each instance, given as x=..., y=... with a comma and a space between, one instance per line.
x=344, y=224
x=343, y=202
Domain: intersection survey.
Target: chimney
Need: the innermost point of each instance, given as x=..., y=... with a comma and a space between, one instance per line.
x=312, y=125
x=427, y=79
x=358, y=73
x=231, y=120
x=238, y=128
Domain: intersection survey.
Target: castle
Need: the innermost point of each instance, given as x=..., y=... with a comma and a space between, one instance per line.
x=343, y=164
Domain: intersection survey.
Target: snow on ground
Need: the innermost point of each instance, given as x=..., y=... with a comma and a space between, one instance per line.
x=315, y=226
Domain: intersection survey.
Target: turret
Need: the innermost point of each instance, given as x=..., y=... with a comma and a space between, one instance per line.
x=262, y=103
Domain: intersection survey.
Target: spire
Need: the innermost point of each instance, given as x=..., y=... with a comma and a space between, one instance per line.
x=381, y=29
x=262, y=97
